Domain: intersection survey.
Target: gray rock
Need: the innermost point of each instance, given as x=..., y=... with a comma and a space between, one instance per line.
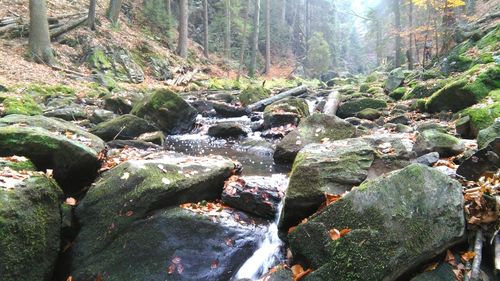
x=436, y=141
x=487, y=135
x=400, y=119
x=486, y=159
x=124, y=127
x=395, y=80
x=352, y=107
x=227, y=130
x=428, y=159
x=101, y=115
x=71, y=113
x=388, y=215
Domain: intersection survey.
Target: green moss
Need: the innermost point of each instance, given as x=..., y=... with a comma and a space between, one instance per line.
x=18, y=166
x=350, y=108
x=253, y=94
x=374, y=90
x=24, y=105
x=484, y=114
x=398, y=93
x=364, y=87
x=50, y=90
x=99, y=60
x=292, y=105
x=373, y=77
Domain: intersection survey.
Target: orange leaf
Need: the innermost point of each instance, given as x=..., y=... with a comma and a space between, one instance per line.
x=129, y=213
x=70, y=278
x=215, y=264
x=291, y=229
x=331, y=198
x=99, y=277
x=70, y=201
x=336, y=234
x=299, y=272
x=171, y=268
x=468, y=256
x=431, y=267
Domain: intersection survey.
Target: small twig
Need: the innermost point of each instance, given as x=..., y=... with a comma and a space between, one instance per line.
x=121, y=130
x=478, y=248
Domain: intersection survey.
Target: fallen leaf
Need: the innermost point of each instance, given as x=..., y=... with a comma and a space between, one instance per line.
x=215, y=264
x=99, y=277
x=125, y=176
x=171, y=268
x=336, y=234
x=468, y=256
x=431, y=267
x=299, y=272
x=70, y=278
x=70, y=201
x=129, y=213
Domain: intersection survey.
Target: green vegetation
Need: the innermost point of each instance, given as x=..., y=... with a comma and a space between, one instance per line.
x=398, y=93
x=253, y=94
x=23, y=104
x=318, y=56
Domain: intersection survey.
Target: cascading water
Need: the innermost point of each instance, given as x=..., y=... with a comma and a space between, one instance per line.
x=267, y=255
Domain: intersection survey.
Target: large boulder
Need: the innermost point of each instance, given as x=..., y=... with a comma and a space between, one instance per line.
x=30, y=222
x=122, y=102
x=53, y=144
x=227, y=130
x=334, y=168
x=487, y=159
x=287, y=111
x=395, y=80
x=389, y=230
x=436, y=141
x=352, y=107
x=123, y=128
x=487, y=135
x=313, y=129
x=168, y=111
x=253, y=94
x=131, y=212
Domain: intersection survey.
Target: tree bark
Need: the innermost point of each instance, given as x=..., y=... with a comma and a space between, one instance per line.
x=205, y=28
x=244, y=40
x=292, y=92
x=470, y=7
x=114, y=10
x=227, y=41
x=183, y=29
x=410, y=47
x=255, y=39
x=332, y=103
x=283, y=12
x=91, y=17
x=268, y=37
x=39, y=38
x=397, y=22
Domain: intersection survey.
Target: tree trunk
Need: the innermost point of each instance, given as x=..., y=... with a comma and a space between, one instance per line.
x=168, y=10
x=265, y=102
x=332, y=103
x=183, y=29
x=205, y=28
x=255, y=39
x=397, y=22
x=410, y=47
x=91, y=18
x=114, y=10
x=378, y=43
x=227, y=41
x=39, y=38
x=243, y=40
x=283, y=12
x=470, y=7
x=268, y=37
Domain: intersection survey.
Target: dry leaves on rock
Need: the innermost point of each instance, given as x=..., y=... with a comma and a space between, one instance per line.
x=298, y=272
x=336, y=234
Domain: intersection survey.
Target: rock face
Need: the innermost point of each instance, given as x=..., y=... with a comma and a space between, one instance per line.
x=227, y=130
x=437, y=141
x=486, y=159
x=132, y=213
x=353, y=107
x=257, y=195
x=313, y=129
x=487, y=135
x=396, y=222
x=395, y=80
x=52, y=144
x=168, y=111
x=30, y=224
x=122, y=103
x=123, y=128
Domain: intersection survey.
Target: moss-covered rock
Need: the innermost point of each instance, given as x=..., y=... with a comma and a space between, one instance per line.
x=475, y=85
x=369, y=114
x=352, y=107
x=170, y=112
x=287, y=111
x=390, y=227
x=122, y=102
x=253, y=94
x=364, y=87
x=424, y=89
x=122, y=128
x=226, y=130
x=487, y=135
x=485, y=113
x=395, y=80
x=313, y=129
x=21, y=104
x=30, y=224
x=436, y=141
x=398, y=93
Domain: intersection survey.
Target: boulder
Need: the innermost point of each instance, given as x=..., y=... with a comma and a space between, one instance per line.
x=227, y=110
x=204, y=108
x=352, y=107
x=284, y=112
x=101, y=115
x=227, y=130
x=132, y=211
x=70, y=113
x=395, y=80
x=123, y=102
x=487, y=135
x=486, y=159
x=123, y=128
x=389, y=230
x=157, y=137
x=428, y=159
x=30, y=222
x=313, y=129
x=253, y=94
x=424, y=89
x=256, y=195
x=53, y=144
x=168, y=111
x=368, y=114
x=436, y=141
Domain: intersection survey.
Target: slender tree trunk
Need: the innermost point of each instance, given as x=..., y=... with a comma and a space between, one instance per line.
x=470, y=7
x=168, y=10
x=378, y=43
x=91, y=19
x=410, y=47
x=114, y=10
x=268, y=37
x=283, y=12
x=39, y=38
x=397, y=19
x=227, y=41
x=255, y=39
x=205, y=28
x=244, y=40
x=183, y=29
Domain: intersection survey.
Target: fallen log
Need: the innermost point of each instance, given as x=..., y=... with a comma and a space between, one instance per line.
x=265, y=102
x=332, y=103
x=478, y=249
x=67, y=27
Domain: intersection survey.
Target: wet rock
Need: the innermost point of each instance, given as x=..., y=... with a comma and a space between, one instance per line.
x=124, y=127
x=228, y=110
x=260, y=196
x=435, y=141
x=101, y=115
x=403, y=128
x=387, y=215
x=353, y=107
x=71, y=113
x=30, y=223
x=313, y=129
x=487, y=135
x=443, y=272
x=168, y=111
x=354, y=120
x=227, y=130
x=132, y=211
x=399, y=119
x=486, y=159
x=462, y=126
x=53, y=144
x=428, y=159
x=157, y=137
x=139, y=144
x=281, y=274
x=122, y=103
x=284, y=112
x=395, y=80
x=205, y=108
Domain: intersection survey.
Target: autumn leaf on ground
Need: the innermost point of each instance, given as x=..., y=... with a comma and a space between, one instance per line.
x=70, y=201
x=70, y=278
x=99, y=277
x=299, y=272
x=336, y=234
x=215, y=264
x=431, y=267
x=468, y=256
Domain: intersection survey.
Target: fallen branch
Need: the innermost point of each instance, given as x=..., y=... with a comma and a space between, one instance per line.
x=332, y=103
x=478, y=248
x=55, y=67
x=67, y=27
x=265, y=102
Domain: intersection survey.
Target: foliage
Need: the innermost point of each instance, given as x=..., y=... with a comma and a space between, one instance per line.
x=318, y=56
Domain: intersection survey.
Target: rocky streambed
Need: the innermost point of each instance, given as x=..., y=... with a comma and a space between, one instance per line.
x=161, y=186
